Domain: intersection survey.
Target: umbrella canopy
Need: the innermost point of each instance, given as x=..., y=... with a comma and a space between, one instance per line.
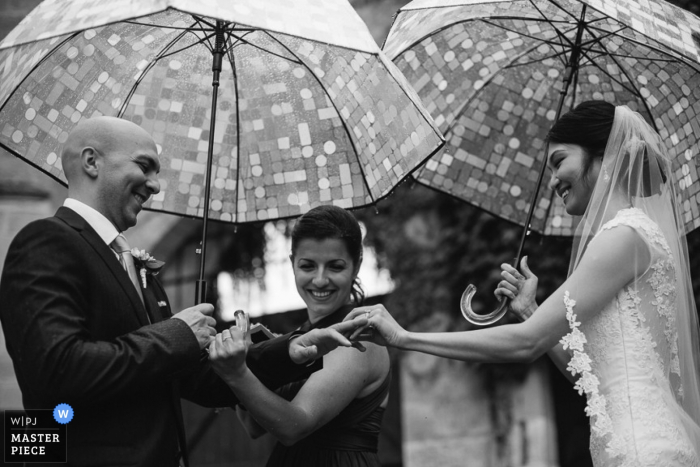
x=310, y=110
x=495, y=73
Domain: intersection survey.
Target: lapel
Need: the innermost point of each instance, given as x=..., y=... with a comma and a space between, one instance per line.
x=107, y=255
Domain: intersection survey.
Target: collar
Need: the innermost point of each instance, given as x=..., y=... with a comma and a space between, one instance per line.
x=104, y=228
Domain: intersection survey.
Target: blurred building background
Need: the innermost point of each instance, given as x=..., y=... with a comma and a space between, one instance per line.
x=425, y=247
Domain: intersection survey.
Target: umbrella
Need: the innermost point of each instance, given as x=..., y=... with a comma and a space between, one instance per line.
x=495, y=74
x=260, y=109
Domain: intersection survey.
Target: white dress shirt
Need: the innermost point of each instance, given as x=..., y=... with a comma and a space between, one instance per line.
x=104, y=228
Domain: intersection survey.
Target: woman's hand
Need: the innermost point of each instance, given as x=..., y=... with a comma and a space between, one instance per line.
x=381, y=327
x=227, y=353
x=521, y=289
x=319, y=342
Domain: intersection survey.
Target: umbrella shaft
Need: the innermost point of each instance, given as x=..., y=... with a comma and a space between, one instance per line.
x=571, y=68
x=218, y=54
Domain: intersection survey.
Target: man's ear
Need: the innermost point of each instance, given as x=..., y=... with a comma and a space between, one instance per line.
x=90, y=161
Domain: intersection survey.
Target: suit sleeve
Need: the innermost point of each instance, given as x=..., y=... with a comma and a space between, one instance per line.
x=51, y=298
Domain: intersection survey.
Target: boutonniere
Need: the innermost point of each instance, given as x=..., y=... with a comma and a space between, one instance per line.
x=146, y=264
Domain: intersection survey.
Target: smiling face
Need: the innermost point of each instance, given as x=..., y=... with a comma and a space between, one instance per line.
x=127, y=177
x=324, y=273
x=569, y=178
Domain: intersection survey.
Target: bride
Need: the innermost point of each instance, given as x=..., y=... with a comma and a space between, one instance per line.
x=625, y=320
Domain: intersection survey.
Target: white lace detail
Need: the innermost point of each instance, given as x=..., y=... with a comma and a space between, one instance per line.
x=580, y=364
x=629, y=363
x=636, y=218
x=662, y=279
x=665, y=294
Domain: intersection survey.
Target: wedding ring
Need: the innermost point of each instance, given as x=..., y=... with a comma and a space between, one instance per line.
x=367, y=314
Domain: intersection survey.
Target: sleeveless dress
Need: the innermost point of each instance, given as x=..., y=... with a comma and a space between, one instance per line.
x=348, y=440
x=627, y=359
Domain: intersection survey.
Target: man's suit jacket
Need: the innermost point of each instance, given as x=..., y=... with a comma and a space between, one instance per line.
x=78, y=333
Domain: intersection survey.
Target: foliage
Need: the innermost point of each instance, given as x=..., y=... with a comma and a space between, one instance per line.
x=691, y=5
x=243, y=248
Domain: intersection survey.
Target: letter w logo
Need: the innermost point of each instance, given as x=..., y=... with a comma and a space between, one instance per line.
x=63, y=414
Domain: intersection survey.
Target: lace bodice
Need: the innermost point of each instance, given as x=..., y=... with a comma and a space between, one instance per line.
x=627, y=359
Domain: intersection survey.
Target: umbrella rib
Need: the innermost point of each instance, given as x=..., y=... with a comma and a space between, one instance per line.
x=634, y=90
x=529, y=36
x=200, y=41
x=690, y=62
x=464, y=106
x=238, y=39
x=39, y=63
x=242, y=40
x=551, y=22
x=515, y=65
x=150, y=65
x=560, y=35
x=208, y=43
x=436, y=31
x=555, y=3
x=231, y=58
x=151, y=25
x=345, y=126
x=200, y=20
x=604, y=51
x=640, y=58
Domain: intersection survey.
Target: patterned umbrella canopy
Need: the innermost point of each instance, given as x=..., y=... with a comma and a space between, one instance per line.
x=493, y=73
x=309, y=110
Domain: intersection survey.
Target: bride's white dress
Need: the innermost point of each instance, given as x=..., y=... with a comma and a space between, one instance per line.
x=627, y=359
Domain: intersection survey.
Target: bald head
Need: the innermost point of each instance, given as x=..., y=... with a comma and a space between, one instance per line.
x=112, y=166
x=105, y=134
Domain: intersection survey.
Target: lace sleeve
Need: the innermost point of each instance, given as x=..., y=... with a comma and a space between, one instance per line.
x=580, y=364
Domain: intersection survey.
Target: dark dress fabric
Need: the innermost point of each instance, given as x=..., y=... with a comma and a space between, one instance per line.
x=348, y=440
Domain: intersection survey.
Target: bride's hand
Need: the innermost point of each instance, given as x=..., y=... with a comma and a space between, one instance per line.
x=381, y=329
x=227, y=353
x=521, y=289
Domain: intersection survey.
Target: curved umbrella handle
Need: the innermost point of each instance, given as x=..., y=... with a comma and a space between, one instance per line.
x=465, y=304
x=242, y=321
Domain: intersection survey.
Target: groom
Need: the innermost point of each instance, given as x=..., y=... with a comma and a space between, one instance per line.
x=83, y=329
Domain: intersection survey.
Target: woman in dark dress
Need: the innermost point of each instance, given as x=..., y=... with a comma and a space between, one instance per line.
x=334, y=417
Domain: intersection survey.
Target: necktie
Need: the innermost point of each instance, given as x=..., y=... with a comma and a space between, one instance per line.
x=121, y=246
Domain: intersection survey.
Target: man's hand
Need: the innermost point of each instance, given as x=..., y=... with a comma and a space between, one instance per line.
x=199, y=319
x=227, y=354
x=318, y=342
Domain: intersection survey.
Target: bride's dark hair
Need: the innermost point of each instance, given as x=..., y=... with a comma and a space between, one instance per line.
x=588, y=125
x=324, y=222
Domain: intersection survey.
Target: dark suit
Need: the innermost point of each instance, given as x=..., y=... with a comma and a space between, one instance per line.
x=78, y=333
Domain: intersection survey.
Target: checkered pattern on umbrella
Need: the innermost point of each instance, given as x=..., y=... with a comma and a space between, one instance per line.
x=309, y=112
x=491, y=74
